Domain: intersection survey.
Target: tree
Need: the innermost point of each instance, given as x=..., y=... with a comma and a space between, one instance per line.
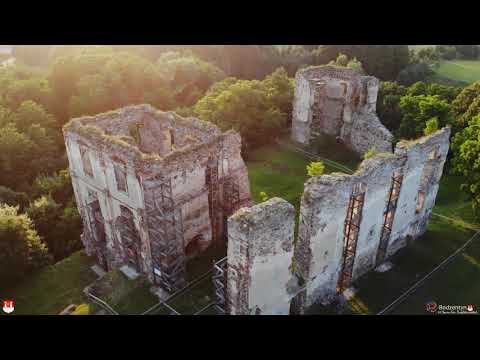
x=341, y=60
x=13, y=198
x=446, y=52
x=254, y=108
x=280, y=88
x=33, y=55
x=382, y=61
x=431, y=126
x=462, y=103
x=122, y=79
x=16, y=90
x=21, y=250
x=388, y=104
x=417, y=110
x=263, y=196
x=59, y=225
x=16, y=151
x=413, y=73
x=466, y=159
x=188, y=76
x=356, y=65
x=315, y=168
x=29, y=112
x=58, y=186
x=470, y=52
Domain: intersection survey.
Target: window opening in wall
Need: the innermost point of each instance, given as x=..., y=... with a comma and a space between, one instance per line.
x=351, y=231
x=120, y=176
x=172, y=137
x=86, y=163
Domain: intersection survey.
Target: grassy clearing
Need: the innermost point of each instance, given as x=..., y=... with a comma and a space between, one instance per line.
x=281, y=172
x=455, y=285
x=377, y=290
x=54, y=288
x=278, y=172
x=127, y=297
x=454, y=203
x=466, y=71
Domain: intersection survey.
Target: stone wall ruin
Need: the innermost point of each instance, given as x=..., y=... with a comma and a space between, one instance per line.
x=259, y=251
x=349, y=224
x=338, y=102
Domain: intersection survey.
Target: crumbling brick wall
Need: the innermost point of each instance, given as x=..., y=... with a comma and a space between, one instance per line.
x=319, y=251
x=338, y=102
x=260, y=249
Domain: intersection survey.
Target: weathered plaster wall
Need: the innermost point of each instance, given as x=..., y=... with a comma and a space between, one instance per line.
x=303, y=100
x=260, y=250
x=319, y=249
x=422, y=173
x=165, y=159
x=102, y=187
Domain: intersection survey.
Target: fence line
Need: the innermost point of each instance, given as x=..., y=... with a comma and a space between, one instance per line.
x=415, y=286
x=313, y=156
x=204, y=308
x=178, y=292
x=101, y=303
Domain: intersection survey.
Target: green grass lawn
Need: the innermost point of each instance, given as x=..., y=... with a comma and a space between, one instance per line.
x=466, y=71
x=377, y=290
x=282, y=172
x=125, y=296
x=453, y=202
x=52, y=289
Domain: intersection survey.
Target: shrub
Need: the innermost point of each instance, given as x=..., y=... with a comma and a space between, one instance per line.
x=21, y=250
x=431, y=126
x=315, y=168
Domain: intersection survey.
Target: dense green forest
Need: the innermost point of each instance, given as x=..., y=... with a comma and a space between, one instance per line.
x=246, y=88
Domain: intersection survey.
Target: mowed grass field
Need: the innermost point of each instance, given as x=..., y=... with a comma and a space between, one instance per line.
x=279, y=171
x=459, y=70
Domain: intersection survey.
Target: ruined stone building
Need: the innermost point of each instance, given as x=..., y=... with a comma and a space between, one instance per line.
x=339, y=102
x=153, y=189
x=349, y=224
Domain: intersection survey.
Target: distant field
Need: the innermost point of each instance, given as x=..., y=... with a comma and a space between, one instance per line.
x=460, y=70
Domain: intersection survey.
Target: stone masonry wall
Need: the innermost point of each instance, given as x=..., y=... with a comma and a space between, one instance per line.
x=260, y=250
x=150, y=171
x=319, y=248
x=341, y=103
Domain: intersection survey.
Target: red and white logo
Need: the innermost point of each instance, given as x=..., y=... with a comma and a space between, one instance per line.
x=470, y=307
x=8, y=306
